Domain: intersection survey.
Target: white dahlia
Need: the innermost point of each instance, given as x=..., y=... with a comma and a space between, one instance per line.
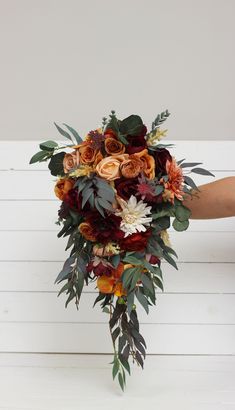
x=134, y=215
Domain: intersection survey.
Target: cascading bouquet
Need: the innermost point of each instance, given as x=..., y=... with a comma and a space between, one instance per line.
x=119, y=188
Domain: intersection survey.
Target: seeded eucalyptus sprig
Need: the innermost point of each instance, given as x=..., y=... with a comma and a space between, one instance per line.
x=160, y=119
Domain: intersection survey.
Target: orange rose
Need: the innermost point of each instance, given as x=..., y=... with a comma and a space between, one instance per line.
x=113, y=146
x=119, y=290
x=111, y=284
x=148, y=163
x=105, y=284
x=130, y=168
x=62, y=187
x=109, y=167
x=87, y=154
x=98, y=158
x=87, y=231
x=71, y=161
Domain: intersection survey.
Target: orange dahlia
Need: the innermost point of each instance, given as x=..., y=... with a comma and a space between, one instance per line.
x=174, y=185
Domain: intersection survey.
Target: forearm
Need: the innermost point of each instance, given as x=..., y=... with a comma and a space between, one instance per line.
x=215, y=200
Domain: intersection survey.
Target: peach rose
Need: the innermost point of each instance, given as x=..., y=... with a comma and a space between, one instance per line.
x=131, y=167
x=113, y=146
x=87, y=154
x=62, y=187
x=109, y=167
x=71, y=161
x=87, y=231
x=148, y=163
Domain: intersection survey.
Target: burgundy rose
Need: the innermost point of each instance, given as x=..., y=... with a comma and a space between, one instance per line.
x=161, y=155
x=105, y=229
x=126, y=187
x=136, y=143
x=135, y=242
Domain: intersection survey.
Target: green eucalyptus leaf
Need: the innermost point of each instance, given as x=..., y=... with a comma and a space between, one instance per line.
x=64, y=133
x=180, y=226
x=77, y=137
x=202, y=171
x=142, y=300
x=48, y=145
x=38, y=157
x=182, y=213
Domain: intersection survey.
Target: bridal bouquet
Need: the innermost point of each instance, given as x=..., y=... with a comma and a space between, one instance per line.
x=119, y=189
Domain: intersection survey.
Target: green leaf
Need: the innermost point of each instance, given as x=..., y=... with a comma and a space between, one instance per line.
x=77, y=137
x=115, y=333
x=182, y=213
x=127, y=276
x=115, y=260
x=121, y=382
x=170, y=260
x=130, y=301
x=147, y=283
x=105, y=310
x=131, y=125
x=180, y=226
x=202, y=171
x=62, y=132
x=86, y=193
x=142, y=299
x=122, y=139
x=133, y=260
x=189, y=181
x=125, y=362
x=115, y=368
x=38, y=157
x=190, y=164
x=48, y=145
x=56, y=164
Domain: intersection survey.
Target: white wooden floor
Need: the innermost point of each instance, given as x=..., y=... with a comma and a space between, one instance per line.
x=83, y=382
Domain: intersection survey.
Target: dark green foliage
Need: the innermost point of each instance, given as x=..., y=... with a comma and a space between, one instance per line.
x=56, y=164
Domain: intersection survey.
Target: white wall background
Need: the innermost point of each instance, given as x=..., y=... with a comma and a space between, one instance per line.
x=75, y=60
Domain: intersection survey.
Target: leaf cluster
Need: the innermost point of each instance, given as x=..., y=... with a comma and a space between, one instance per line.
x=97, y=192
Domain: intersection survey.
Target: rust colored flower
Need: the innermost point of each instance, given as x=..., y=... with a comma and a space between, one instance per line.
x=87, y=231
x=113, y=146
x=174, y=185
x=131, y=167
x=148, y=163
x=63, y=186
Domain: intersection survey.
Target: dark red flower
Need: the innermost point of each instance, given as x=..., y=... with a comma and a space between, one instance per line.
x=72, y=201
x=161, y=155
x=135, y=242
x=126, y=187
x=99, y=269
x=136, y=143
x=105, y=229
